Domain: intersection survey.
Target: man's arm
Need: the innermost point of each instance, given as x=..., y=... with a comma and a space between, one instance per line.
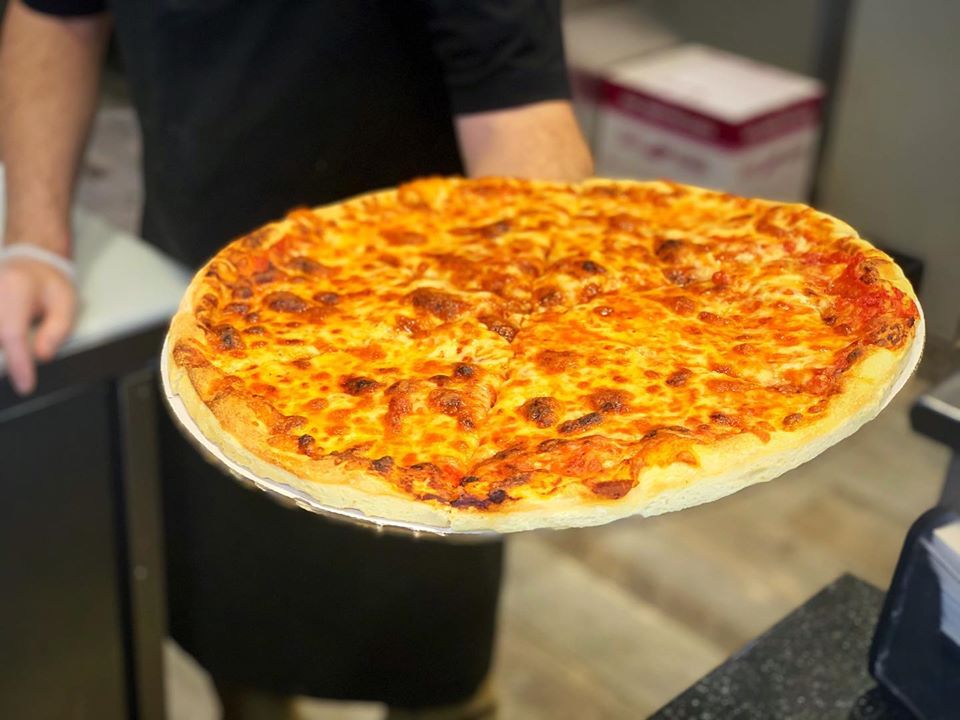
x=504, y=66
x=49, y=72
x=541, y=140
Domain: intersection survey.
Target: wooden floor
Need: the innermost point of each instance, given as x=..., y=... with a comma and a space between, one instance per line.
x=610, y=623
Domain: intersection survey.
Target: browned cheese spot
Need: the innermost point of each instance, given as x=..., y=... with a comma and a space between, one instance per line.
x=889, y=335
x=679, y=378
x=355, y=385
x=608, y=400
x=668, y=251
x=306, y=265
x=400, y=386
x=500, y=326
x=792, y=420
x=589, y=291
x=556, y=361
x=497, y=496
x=288, y=424
x=438, y=303
x=464, y=371
x=869, y=273
x=327, y=298
x=308, y=446
x=242, y=291
x=398, y=408
x=285, y=302
x=228, y=338
x=489, y=232
x=541, y=411
x=612, y=489
x=593, y=268
x=186, y=356
x=581, y=423
x=548, y=296
x=382, y=465
x=678, y=277
x=448, y=402
x=465, y=501
x=267, y=276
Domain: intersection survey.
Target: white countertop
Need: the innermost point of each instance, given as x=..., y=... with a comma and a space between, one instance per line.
x=125, y=284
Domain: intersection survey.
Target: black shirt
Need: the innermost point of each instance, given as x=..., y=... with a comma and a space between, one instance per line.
x=251, y=107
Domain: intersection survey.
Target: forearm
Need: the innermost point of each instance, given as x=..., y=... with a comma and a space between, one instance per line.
x=541, y=141
x=49, y=76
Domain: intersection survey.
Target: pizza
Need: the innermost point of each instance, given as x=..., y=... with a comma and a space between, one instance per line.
x=502, y=355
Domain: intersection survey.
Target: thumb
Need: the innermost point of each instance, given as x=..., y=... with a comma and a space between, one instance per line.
x=58, y=303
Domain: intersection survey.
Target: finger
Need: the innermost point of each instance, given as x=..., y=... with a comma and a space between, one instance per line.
x=14, y=324
x=58, y=307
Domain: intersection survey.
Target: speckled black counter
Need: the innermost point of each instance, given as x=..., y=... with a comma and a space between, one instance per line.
x=812, y=664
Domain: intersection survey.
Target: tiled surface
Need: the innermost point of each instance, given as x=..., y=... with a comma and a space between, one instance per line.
x=612, y=622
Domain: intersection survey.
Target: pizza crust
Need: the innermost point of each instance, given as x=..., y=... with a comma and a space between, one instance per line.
x=232, y=428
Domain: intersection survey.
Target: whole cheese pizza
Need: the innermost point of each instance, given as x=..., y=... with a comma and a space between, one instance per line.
x=504, y=355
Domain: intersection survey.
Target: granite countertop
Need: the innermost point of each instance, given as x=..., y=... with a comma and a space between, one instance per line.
x=812, y=664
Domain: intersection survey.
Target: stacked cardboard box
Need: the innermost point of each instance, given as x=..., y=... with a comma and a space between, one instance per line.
x=706, y=117
x=654, y=108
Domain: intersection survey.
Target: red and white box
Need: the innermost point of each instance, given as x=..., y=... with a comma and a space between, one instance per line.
x=706, y=117
x=598, y=36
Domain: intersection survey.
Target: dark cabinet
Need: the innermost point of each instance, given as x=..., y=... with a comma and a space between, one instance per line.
x=61, y=636
x=81, y=603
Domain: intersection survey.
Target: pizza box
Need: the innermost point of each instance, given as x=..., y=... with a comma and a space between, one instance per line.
x=706, y=117
x=597, y=37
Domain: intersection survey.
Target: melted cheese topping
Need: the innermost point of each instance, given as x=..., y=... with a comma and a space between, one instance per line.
x=478, y=342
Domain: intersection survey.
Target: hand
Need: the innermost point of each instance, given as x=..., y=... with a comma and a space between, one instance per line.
x=32, y=291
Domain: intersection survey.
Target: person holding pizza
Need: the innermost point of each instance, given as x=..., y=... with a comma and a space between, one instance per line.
x=248, y=109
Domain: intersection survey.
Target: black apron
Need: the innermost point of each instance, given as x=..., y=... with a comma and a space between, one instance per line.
x=248, y=108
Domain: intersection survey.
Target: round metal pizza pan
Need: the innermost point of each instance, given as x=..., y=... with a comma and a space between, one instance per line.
x=291, y=496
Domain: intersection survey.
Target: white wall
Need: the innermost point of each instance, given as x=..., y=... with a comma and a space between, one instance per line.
x=780, y=32
x=893, y=165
